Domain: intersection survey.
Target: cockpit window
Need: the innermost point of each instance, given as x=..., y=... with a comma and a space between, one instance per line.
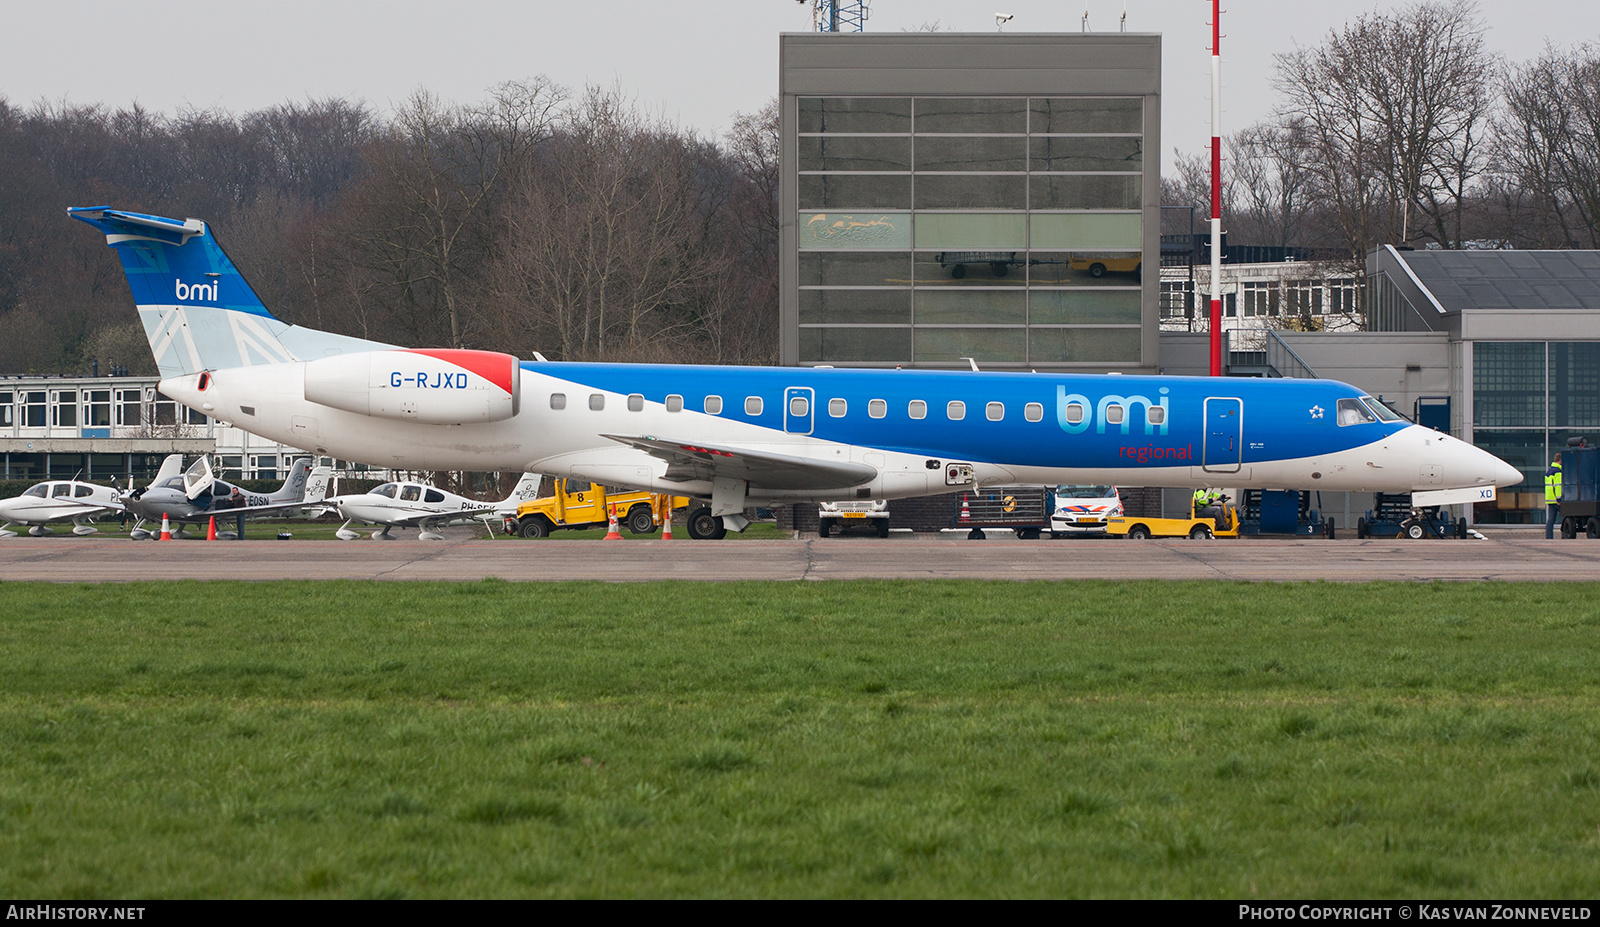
x=38, y=492
x=387, y=489
x=1353, y=412
x=410, y=492
x=174, y=483
x=1383, y=412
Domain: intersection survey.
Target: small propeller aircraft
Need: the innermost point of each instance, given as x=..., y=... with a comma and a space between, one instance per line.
x=55, y=501
x=195, y=495
x=406, y=505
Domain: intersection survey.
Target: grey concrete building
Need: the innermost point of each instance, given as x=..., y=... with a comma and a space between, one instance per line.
x=948, y=196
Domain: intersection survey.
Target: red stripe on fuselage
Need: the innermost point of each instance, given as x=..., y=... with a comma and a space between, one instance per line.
x=491, y=365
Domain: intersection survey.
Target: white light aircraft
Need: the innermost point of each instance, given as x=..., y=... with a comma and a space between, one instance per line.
x=42, y=504
x=734, y=437
x=427, y=508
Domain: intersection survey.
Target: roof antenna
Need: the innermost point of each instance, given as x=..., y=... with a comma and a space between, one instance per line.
x=1086, y=17
x=1124, y=16
x=974, y=364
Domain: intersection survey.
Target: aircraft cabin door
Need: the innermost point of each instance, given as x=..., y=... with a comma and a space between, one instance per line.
x=799, y=410
x=1223, y=451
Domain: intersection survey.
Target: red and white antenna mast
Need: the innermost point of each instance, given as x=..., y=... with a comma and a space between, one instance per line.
x=1216, y=188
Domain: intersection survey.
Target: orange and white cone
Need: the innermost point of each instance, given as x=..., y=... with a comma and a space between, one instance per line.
x=666, y=523
x=612, y=532
x=211, y=529
x=166, y=530
x=966, y=513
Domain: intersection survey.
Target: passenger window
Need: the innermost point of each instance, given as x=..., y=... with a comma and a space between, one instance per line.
x=80, y=491
x=1155, y=415
x=61, y=489
x=995, y=411
x=558, y=401
x=713, y=405
x=956, y=410
x=877, y=408
x=410, y=492
x=917, y=409
x=1114, y=414
x=674, y=403
x=798, y=407
x=838, y=407
x=752, y=405
x=635, y=402
x=1074, y=413
x=1033, y=412
x=433, y=495
x=1352, y=412
x=597, y=402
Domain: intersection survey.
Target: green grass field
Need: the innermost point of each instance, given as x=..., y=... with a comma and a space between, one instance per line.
x=805, y=739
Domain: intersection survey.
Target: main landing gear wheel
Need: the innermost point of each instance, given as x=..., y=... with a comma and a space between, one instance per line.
x=704, y=526
x=1200, y=533
x=1138, y=533
x=534, y=528
x=640, y=521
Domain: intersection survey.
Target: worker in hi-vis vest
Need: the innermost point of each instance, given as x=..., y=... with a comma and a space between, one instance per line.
x=1552, y=497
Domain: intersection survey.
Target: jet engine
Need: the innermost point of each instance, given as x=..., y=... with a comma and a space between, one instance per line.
x=432, y=386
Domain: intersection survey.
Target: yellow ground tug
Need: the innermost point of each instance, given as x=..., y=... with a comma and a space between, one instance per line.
x=1201, y=529
x=581, y=504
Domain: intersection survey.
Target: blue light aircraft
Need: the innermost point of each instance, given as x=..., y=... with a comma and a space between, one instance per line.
x=739, y=436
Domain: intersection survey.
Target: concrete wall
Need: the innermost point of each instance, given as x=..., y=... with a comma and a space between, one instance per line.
x=1399, y=366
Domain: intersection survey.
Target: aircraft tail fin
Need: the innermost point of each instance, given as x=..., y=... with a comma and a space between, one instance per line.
x=526, y=490
x=317, y=484
x=198, y=311
x=294, y=488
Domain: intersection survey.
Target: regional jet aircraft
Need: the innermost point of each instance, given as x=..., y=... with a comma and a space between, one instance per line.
x=738, y=436
x=427, y=508
x=57, y=501
x=195, y=495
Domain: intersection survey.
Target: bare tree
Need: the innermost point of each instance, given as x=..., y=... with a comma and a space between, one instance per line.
x=1391, y=111
x=1548, y=147
x=438, y=174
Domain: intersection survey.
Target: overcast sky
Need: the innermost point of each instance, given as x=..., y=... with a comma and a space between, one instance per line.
x=698, y=63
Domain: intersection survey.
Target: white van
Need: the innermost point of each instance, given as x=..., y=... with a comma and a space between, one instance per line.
x=1083, y=510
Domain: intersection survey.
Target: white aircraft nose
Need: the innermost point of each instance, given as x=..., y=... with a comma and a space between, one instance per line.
x=1505, y=474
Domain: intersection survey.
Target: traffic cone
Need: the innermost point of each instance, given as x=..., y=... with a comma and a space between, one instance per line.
x=612, y=533
x=166, y=530
x=966, y=513
x=666, y=523
x=211, y=529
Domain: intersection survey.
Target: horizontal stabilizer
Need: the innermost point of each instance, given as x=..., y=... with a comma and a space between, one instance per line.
x=693, y=461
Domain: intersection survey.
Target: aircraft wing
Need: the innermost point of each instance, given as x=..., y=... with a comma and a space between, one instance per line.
x=693, y=461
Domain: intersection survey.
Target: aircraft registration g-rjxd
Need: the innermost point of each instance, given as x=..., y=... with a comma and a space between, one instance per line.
x=737, y=436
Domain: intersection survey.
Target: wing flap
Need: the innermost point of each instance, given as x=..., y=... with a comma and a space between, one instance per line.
x=696, y=461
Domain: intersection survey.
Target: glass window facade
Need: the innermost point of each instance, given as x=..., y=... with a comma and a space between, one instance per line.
x=1528, y=397
x=1008, y=229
